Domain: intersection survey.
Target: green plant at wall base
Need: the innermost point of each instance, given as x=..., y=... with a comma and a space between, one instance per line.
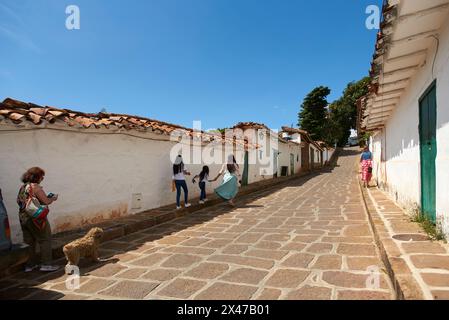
x=433, y=231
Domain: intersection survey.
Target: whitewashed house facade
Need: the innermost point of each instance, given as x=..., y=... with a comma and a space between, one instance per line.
x=284, y=154
x=314, y=154
x=407, y=110
x=103, y=166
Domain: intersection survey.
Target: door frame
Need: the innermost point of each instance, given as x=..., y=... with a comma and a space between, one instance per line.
x=292, y=164
x=245, y=174
x=425, y=94
x=312, y=158
x=275, y=162
x=305, y=161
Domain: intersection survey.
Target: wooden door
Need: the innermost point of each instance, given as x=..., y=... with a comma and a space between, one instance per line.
x=428, y=151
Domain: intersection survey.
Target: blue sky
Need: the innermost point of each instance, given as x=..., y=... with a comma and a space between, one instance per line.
x=218, y=61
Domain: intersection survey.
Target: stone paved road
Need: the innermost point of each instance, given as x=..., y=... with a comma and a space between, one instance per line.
x=308, y=239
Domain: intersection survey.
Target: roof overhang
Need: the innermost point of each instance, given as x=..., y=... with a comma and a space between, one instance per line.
x=408, y=31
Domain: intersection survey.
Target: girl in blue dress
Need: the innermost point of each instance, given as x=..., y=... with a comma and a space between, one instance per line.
x=230, y=185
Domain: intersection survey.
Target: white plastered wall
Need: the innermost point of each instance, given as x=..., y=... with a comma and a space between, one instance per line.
x=95, y=173
x=399, y=140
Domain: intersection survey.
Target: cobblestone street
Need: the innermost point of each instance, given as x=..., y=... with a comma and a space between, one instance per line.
x=306, y=239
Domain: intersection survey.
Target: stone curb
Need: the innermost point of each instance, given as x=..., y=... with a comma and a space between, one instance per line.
x=404, y=284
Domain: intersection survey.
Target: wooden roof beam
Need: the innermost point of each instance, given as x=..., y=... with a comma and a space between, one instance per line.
x=422, y=13
x=374, y=112
x=415, y=37
x=408, y=55
x=385, y=102
x=391, y=91
x=400, y=71
x=377, y=122
x=379, y=107
x=384, y=116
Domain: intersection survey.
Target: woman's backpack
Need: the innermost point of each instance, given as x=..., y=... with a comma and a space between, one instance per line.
x=34, y=210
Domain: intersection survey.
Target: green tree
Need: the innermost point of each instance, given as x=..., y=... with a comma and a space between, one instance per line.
x=222, y=130
x=313, y=114
x=343, y=111
x=331, y=129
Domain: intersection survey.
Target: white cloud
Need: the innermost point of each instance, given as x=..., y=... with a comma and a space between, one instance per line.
x=10, y=12
x=20, y=39
x=13, y=29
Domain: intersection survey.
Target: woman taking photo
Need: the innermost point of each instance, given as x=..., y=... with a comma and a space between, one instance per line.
x=230, y=185
x=36, y=229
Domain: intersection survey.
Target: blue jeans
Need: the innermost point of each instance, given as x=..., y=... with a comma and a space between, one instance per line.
x=181, y=184
x=202, y=185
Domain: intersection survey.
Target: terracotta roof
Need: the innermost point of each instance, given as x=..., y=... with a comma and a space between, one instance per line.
x=323, y=145
x=19, y=112
x=287, y=140
x=294, y=130
x=253, y=125
x=22, y=112
x=304, y=133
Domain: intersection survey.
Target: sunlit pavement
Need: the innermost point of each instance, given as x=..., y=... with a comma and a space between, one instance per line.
x=306, y=239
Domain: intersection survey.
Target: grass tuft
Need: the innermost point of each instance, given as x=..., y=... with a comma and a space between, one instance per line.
x=433, y=230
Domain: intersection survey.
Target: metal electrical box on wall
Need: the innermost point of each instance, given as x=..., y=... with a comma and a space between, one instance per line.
x=136, y=201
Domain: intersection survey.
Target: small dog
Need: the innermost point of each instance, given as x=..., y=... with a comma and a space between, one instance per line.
x=86, y=246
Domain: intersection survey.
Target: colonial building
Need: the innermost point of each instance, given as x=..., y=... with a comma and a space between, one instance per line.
x=406, y=110
x=105, y=165
x=312, y=152
x=326, y=153
x=285, y=155
x=102, y=165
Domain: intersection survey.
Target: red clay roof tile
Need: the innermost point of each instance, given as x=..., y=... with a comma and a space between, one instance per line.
x=20, y=112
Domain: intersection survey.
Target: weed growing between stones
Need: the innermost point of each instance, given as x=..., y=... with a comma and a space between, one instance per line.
x=434, y=231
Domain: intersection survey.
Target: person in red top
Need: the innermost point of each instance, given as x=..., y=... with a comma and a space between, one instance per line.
x=366, y=160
